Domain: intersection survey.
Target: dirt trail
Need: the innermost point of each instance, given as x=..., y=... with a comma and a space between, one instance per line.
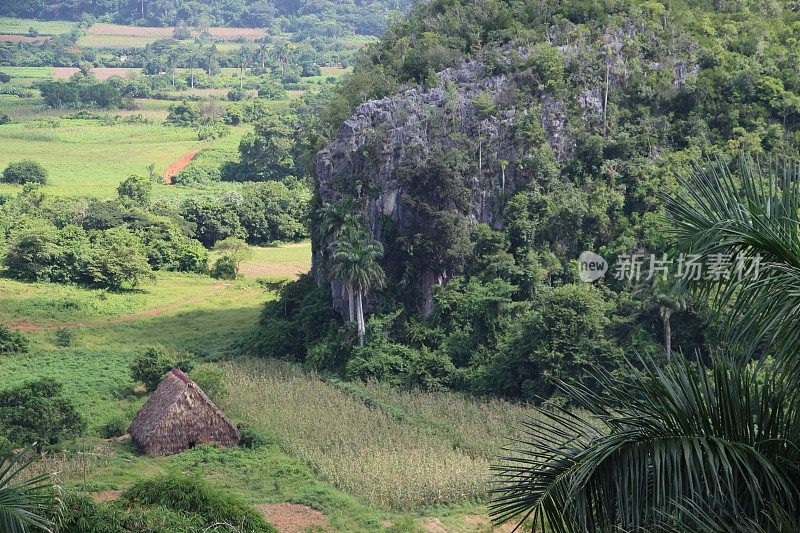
x=180, y=164
x=27, y=326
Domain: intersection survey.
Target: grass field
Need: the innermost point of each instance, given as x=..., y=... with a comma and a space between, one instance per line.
x=85, y=157
x=15, y=26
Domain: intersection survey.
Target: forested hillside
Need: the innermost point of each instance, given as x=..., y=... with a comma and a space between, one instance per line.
x=479, y=147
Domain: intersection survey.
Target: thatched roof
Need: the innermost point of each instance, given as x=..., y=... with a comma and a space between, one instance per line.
x=178, y=416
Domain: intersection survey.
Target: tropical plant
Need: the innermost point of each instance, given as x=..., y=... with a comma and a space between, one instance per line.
x=663, y=450
x=24, y=498
x=681, y=448
x=355, y=265
x=750, y=219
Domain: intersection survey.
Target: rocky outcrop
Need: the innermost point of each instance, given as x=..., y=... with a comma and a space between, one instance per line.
x=397, y=132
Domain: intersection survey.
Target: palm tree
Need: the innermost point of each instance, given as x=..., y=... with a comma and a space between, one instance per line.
x=24, y=499
x=355, y=264
x=667, y=298
x=668, y=449
x=677, y=449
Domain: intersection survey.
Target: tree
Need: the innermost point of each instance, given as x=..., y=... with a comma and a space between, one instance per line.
x=751, y=220
x=236, y=249
x=150, y=366
x=25, y=499
x=39, y=412
x=118, y=258
x=25, y=171
x=681, y=448
x=267, y=152
x=12, y=341
x=136, y=190
x=355, y=264
x=666, y=298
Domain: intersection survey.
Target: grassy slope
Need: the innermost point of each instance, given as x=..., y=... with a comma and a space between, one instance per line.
x=354, y=452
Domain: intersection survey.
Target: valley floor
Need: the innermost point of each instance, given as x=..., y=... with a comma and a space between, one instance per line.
x=338, y=456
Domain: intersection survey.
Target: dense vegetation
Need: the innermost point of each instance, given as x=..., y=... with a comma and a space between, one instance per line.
x=684, y=82
x=316, y=19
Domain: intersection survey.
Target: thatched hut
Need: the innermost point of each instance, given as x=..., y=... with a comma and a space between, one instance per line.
x=178, y=416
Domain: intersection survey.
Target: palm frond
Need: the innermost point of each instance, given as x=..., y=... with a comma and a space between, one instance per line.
x=751, y=216
x=651, y=446
x=24, y=500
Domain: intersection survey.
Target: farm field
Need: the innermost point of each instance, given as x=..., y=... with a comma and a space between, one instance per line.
x=326, y=439
x=112, y=36
x=85, y=157
x=13, y=26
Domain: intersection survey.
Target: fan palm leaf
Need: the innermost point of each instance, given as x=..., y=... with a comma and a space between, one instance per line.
x=23, y=500
x=659, y=450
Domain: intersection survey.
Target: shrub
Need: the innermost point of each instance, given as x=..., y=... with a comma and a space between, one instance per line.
x=236, y=95
x=114, y=427
x=25, y=171
x=4, y=119
x=224, y=268
x=150, y=366
x=252, y=438
x=64, y=337
x=12, y=341
x=5, y=446
x=4, y=77
x=195, y=496
x=211, y=381
x=38, y=412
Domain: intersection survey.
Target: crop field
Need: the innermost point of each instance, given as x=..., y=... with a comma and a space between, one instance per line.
x=14, y=26
x=86, y=157
x=391, y=456
x=63, y=73
x=112, y=36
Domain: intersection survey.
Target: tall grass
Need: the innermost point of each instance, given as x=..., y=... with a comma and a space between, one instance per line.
x=392, y=461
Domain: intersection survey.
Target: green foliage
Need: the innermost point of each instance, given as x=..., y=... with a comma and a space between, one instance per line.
x=81, y=514
x=565, y=335
x=253, y=438
x=195, y=496
x=25, y=171
x=114, y=427
x=81, y=91
x=137, y=190
x=38, y=412
x=212, y=381
x=149, y=366
x=119, y=259
x=64, y=337
x=267, y=153
x=661, y=449
x=225, y=267
x=183, y=114
x=12, y=342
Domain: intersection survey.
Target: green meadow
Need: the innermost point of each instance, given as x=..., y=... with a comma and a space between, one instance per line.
x=14, y=26
x=90, y=158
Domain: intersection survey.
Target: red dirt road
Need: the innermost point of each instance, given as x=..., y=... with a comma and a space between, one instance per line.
x=179, y=165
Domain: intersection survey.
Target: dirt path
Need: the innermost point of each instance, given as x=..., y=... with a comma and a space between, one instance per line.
x=27, y=326
x=179, y=165
x=293, y=517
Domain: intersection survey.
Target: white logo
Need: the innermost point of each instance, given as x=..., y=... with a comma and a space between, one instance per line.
x=591, y=266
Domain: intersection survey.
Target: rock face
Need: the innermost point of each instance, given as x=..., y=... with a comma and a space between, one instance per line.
x=387, y=135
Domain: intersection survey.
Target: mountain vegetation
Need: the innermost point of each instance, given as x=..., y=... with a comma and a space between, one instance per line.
x=486, y=145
